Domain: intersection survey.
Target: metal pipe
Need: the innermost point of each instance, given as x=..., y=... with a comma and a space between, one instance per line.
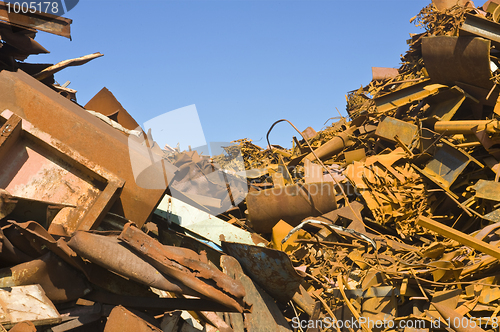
x=467, y=126
x=290, y=203
x=334, y=146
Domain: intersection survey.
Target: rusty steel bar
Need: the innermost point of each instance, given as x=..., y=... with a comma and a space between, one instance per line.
x=108, y=252
x=334, y=146
x=467, y=126
x=167, y=261
x=290, y=203
x=459, y=236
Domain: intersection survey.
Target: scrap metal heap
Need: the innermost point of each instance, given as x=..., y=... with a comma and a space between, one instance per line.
x=388, y=220
x=414, y=235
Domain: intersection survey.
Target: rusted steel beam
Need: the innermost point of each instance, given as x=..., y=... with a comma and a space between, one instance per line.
x=179, y=263
x=10, y=132
x=291, y=203
x=314, y=317
x=467, y=126
x=54, y=24
x=459, y=236
x=446, y=103
x=89, y=136
x=393, y=100
x=481, y=27
x=187, y=258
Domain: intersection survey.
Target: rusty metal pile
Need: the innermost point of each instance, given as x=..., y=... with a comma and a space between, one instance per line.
x=388, y=220
x=393, y=216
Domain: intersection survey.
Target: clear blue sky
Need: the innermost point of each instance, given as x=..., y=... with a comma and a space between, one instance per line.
x=244, y=64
